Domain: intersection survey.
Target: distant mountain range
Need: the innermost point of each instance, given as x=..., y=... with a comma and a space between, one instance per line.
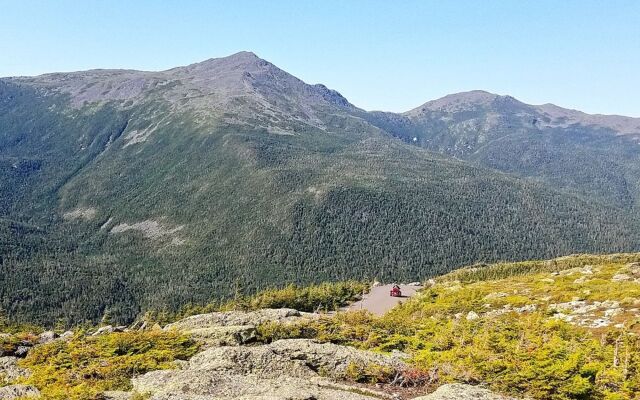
x=127, y=190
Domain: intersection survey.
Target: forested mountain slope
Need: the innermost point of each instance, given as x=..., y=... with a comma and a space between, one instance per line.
x=597, y=156
x=126, y=190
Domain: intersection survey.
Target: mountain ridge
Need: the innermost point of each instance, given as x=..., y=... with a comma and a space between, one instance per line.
x=248, y=59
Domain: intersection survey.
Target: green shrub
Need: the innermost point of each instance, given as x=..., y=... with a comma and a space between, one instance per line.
x=85, y=366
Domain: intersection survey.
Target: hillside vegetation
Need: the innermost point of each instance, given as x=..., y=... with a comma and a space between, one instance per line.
x=559, y=329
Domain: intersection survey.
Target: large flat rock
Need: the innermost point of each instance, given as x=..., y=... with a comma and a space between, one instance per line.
x=295, y=369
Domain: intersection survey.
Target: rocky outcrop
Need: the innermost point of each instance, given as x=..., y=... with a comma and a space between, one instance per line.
x=18, y=392
x=233, y=328
x=459, y=391
x=9, y=370
x=237, y=318
x=286, y=369
x=185, y=385
x=47, y=337
x=224, y=335
x=105, y=330
x=116, y=395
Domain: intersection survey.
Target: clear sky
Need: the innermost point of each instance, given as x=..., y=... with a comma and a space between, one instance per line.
x=383, y=55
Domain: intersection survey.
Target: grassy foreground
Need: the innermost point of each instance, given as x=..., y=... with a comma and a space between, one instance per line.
x=85, y=366
x=560, y=329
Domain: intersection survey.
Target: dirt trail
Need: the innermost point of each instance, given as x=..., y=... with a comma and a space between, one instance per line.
x=378, y=301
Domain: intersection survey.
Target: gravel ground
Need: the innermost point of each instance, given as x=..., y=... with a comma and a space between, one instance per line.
x=378, y=301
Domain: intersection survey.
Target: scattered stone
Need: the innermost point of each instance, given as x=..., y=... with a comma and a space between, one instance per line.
x=587, y=270
x=21, y=351
x=621, y=278
x=597, y=323
x=508, y=308
x=495, y=295
x=575, y=307
x=104, y=330
x=47, y=337
x=458, y=391
x=612, y=312
x=569, y=272
x=109, y=329
x=13, y=392
x=634, y=269
x=563, y=317
x=9, y=370
x=115, y=395
x=67, y=335
x=471, y=316
x=527, y=308
x=608, y=304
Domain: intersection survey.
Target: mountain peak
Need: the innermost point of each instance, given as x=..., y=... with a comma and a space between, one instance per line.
x=465, y=101
x=241, y=57
x=240, y=60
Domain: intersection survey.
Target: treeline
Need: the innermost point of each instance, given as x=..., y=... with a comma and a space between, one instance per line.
x=483, y=272
x=327, y=296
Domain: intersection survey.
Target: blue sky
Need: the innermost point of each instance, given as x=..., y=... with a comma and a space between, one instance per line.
x=383, y=55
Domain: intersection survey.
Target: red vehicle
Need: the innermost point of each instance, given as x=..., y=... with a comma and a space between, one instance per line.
x=395, y=291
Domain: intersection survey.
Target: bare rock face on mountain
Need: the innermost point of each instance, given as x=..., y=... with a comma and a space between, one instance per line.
x=258, y=92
